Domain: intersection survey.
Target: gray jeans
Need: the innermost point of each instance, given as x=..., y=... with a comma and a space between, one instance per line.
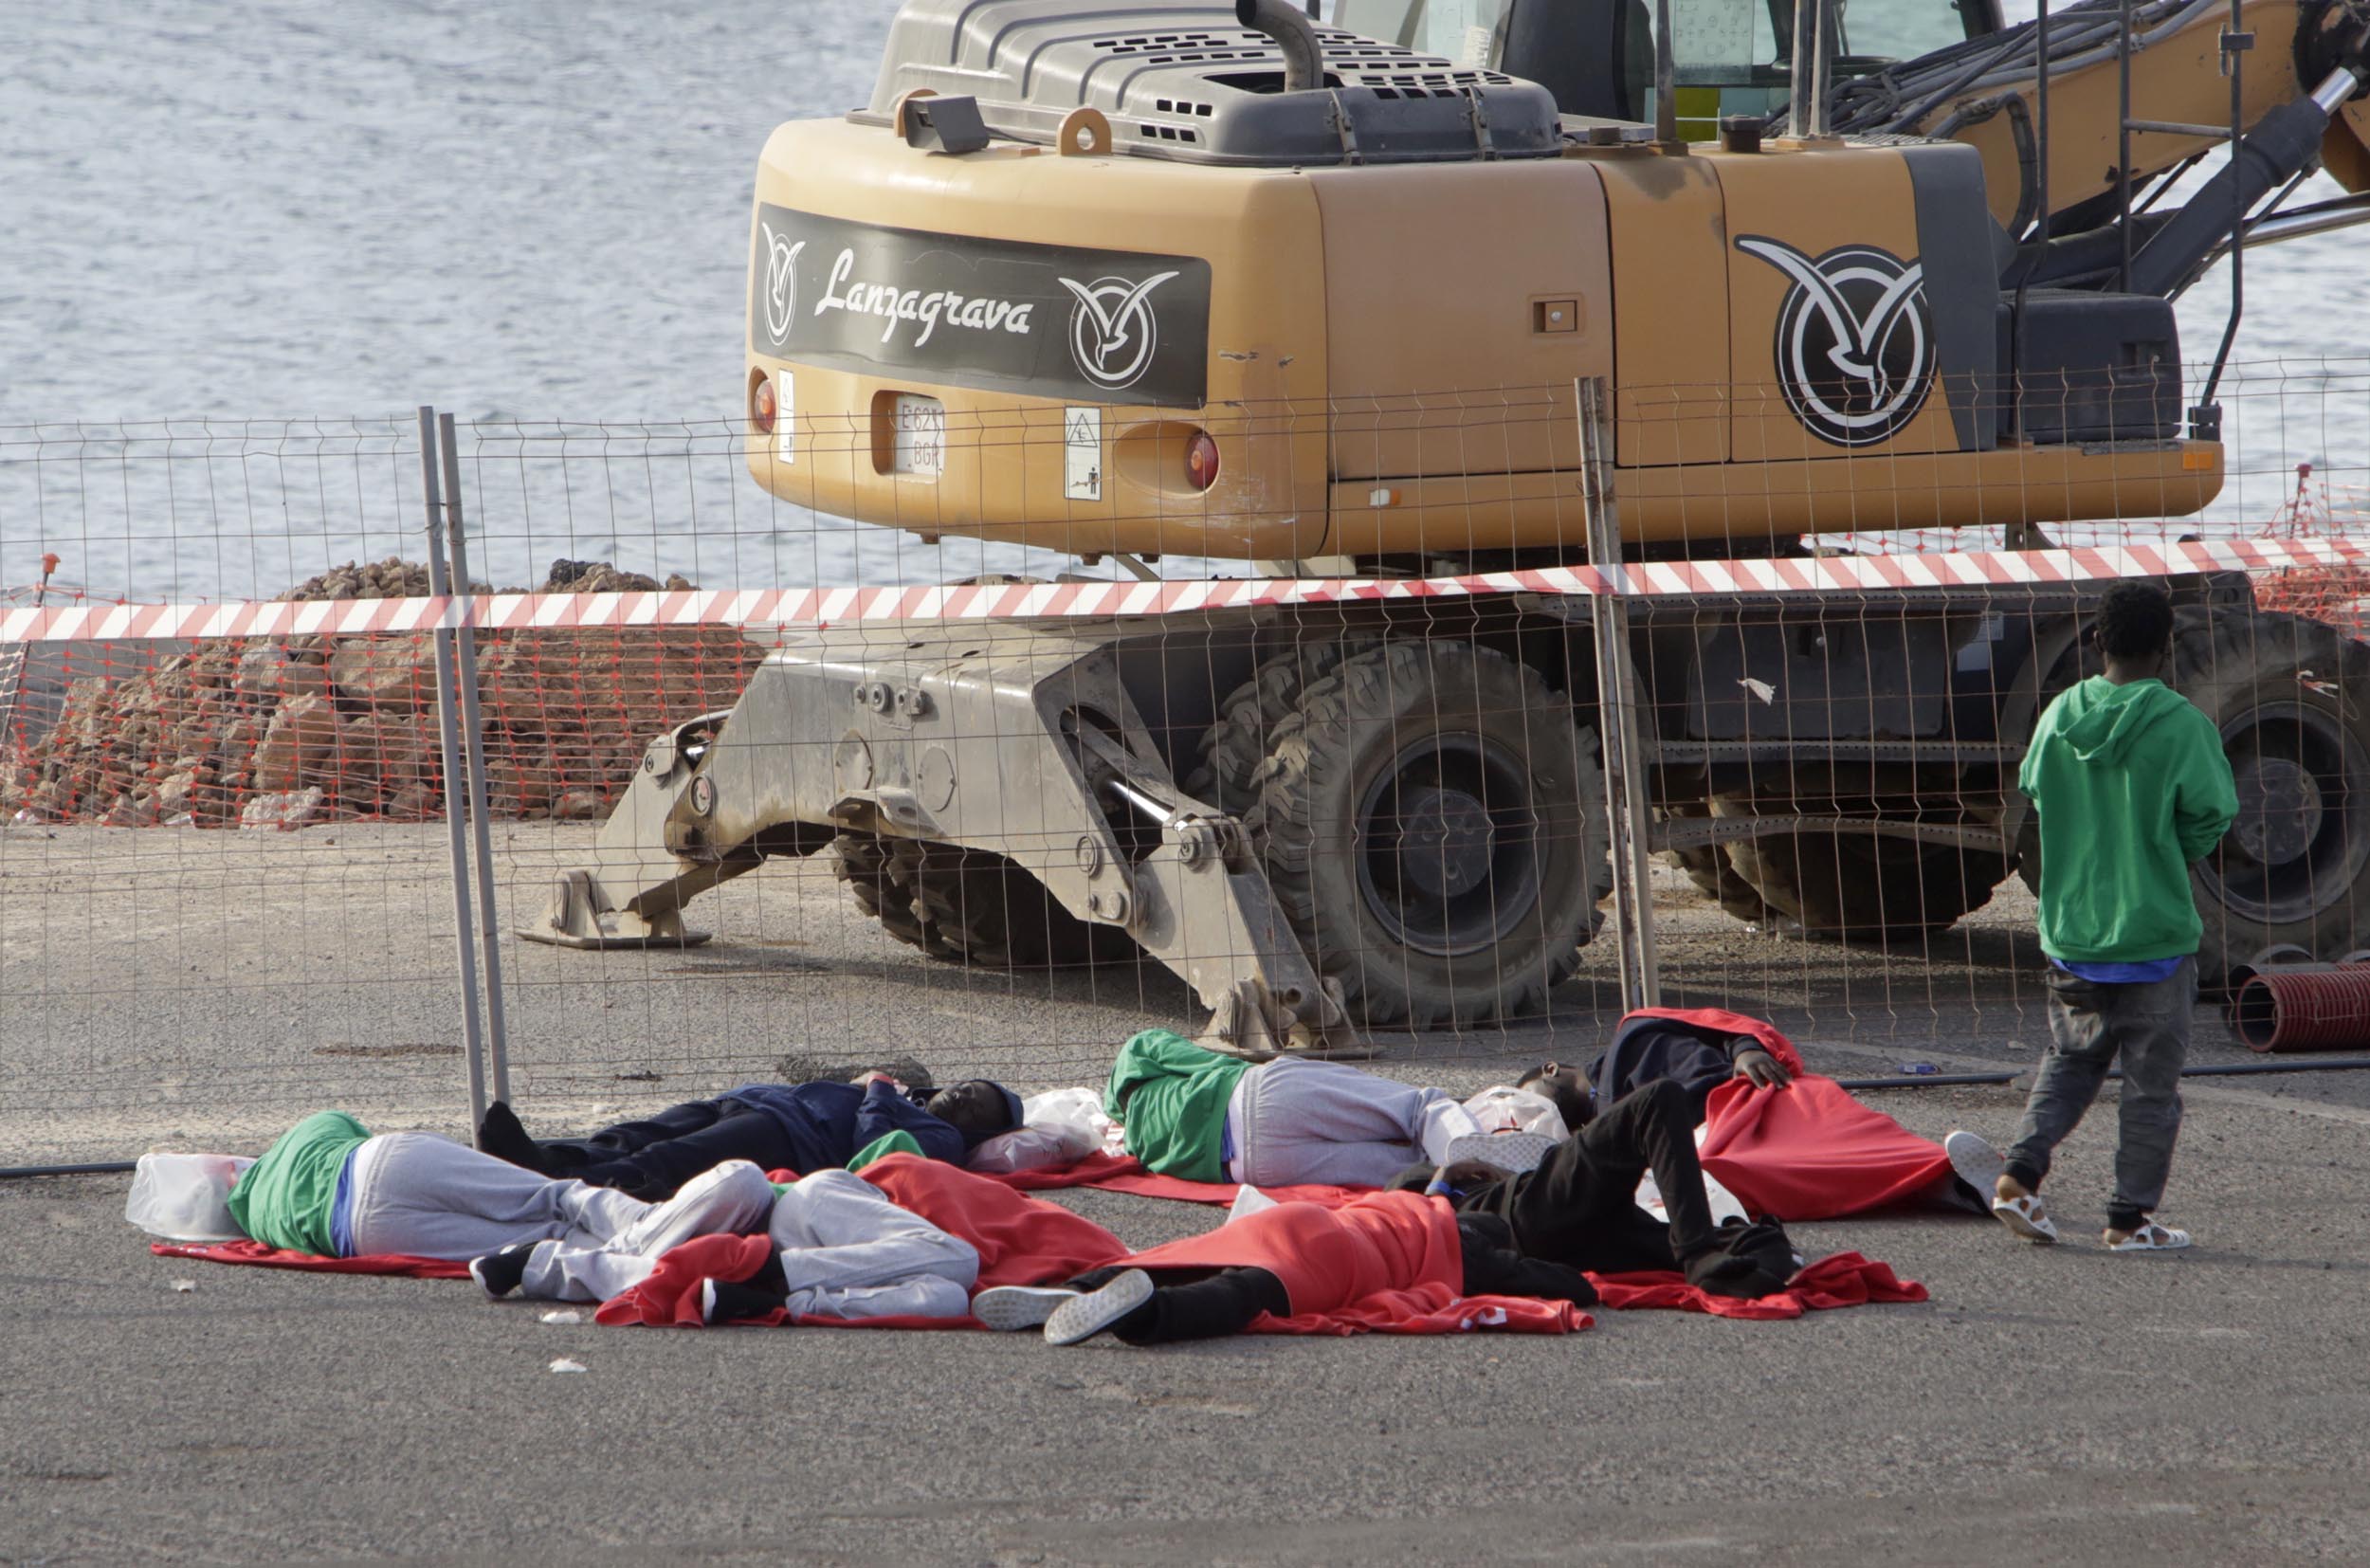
x=2091, y=1025
x=1325, y=1122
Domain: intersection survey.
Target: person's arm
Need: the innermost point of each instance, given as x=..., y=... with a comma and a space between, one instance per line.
x=1755, y=1064
x=884, y=1110
x=2205, y=797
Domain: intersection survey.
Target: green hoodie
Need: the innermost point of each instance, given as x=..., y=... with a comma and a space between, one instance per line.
x=1171, y=1095
x=289, y=1197
x=2131, y=788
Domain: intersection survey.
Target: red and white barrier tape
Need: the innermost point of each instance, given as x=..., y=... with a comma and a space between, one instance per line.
x=1099, y=600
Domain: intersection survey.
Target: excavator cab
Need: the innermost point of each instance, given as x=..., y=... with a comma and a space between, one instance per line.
x=1733, y=57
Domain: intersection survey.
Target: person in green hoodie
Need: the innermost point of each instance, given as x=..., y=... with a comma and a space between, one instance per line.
x=2129, y=783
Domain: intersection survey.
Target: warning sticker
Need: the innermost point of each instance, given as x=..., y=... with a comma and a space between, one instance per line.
x=1081, y=453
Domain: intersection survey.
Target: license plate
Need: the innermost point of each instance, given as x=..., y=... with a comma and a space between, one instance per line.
x=918, y=444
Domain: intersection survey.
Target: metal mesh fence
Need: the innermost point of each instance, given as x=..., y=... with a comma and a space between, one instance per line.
x=973, y=741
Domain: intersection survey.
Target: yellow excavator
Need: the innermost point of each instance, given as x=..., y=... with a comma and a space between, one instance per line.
x=1179, y=279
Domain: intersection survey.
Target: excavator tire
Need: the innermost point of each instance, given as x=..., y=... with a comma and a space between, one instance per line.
x=997, y=916
x=867, y=863
x=2291, y=697
x=1708, y=868
x=1431, y=819
x=1235, y=747
x=970, y=906
x=1860, y=887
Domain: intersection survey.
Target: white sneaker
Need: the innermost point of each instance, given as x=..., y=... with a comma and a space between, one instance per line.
x=1979, y=1164
x=1513, y=1152
x=1083, y=1317
x=1014, y=1306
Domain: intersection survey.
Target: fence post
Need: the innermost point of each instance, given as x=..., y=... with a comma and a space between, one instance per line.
x=1616, y=700
x=473, y=752
x=442, y=640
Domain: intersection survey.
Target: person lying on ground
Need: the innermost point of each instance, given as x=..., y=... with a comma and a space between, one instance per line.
x=802, y=1127
x=1579, y=1208
x=330, y=1188
x=1204, y=1117
x=2132, y=787
x=836, y=1248
x=1699, y=1051
x=1290, y=1260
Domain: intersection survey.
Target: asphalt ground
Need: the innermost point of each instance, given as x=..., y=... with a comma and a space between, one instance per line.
x=176, y=988
x=2046, y=1405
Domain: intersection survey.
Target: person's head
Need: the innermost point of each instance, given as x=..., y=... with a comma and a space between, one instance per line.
x=2134, y=629
x=1567, y=1087
x=977, y=1108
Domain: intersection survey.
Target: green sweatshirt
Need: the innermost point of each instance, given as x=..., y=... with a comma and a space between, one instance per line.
x=1171, y=1095
x=289, y=1197
x=2131, y=788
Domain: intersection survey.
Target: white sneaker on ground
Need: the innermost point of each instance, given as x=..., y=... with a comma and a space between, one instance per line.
x=2149, y=1237
x=1013, y=1306
x=1979, y=1164
x=1083, y=1317
x=1513, y=1152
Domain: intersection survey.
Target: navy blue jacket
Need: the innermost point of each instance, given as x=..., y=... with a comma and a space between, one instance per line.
x=827, y=1124
x=1646, y=1051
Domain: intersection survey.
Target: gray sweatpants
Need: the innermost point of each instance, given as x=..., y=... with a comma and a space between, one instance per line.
x=2091, y=1025
x=1321, y=1121
x=431, y=1197
x=730, y=1199
x=847, y=1251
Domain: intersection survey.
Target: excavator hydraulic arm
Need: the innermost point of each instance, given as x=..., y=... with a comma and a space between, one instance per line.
x=2185, y=60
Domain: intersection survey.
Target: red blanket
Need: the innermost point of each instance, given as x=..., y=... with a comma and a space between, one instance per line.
x=1381, y=1263
x=671, y=1296
x=1328, y=1258
x=1385, y=1263
x=1840, y=1279
x=1020, y=1240
x=272, y=1257
x=1809, y=1151
x=1124, y=1173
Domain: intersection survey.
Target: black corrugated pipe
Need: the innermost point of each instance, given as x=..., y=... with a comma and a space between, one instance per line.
x=99, y=1167
x=1304, y=61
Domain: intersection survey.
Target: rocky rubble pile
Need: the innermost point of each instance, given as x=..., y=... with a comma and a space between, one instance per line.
x=281, y=732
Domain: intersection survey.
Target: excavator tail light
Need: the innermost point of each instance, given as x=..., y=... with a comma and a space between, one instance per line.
x=1201, y=460
x=762, y=406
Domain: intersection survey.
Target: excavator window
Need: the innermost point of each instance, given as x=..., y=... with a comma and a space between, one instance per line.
x=1597, y=56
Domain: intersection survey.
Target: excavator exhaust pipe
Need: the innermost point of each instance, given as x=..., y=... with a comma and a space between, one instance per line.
x=1304, y=58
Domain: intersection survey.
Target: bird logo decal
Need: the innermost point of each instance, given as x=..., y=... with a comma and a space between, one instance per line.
x=781, y=282
x=1112, y=329
x=1855, y=339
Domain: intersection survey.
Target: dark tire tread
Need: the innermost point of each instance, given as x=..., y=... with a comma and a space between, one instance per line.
x=1310, y=758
